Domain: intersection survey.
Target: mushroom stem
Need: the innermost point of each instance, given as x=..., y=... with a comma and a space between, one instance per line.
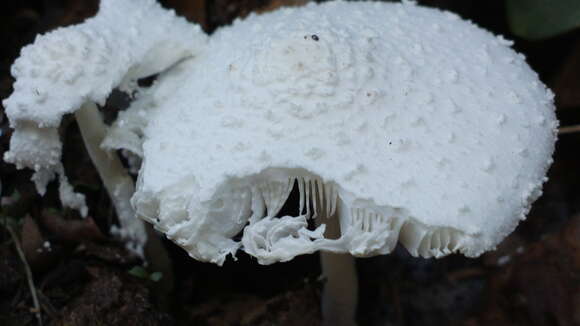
x=340, y=294
x=116, y=180
x=138, y=237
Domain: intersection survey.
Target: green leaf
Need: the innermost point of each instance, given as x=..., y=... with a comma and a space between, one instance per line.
x=155, y=276
x=139, y=272
x=541, y=19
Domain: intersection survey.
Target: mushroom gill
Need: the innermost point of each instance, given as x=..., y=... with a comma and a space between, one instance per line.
x=250, y=206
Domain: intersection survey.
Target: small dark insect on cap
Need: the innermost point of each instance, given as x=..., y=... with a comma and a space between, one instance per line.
x=315, y=37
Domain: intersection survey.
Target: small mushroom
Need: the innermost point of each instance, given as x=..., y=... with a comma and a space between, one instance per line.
x=70, y=69
x=435, y=134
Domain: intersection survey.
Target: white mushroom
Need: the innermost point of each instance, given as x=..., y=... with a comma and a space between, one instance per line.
x=437, y=135
x=397, y=123
x=80, y=65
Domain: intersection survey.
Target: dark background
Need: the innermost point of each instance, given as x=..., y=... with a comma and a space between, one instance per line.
x=83, y=278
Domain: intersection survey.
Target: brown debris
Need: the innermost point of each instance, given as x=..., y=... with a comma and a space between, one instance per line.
x=223, y=311
x=74, y=12
x=72, y=230
x=111, y=298
x=194, y=10
x=32, y=239
x=223, y=12
x=38, y=252
x=298, y=307
x=277, y=4
x=295, y=307
x=111, y=252
x=539, y=288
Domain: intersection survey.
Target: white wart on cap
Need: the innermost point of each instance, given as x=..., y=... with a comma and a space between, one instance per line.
x=407, y=123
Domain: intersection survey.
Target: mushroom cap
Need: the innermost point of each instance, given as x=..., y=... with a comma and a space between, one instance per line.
x=420, y=126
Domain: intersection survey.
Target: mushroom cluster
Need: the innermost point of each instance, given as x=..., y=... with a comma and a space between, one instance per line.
x=397, y=123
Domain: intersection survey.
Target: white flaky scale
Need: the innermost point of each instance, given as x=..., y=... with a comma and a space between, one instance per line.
x=236, y=120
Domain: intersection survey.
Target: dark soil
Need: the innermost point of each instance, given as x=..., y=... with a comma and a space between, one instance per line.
x=83, y=277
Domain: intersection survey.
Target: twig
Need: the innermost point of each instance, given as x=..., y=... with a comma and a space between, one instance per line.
x=46, y=305
x=569, y=130
x=28, y=274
